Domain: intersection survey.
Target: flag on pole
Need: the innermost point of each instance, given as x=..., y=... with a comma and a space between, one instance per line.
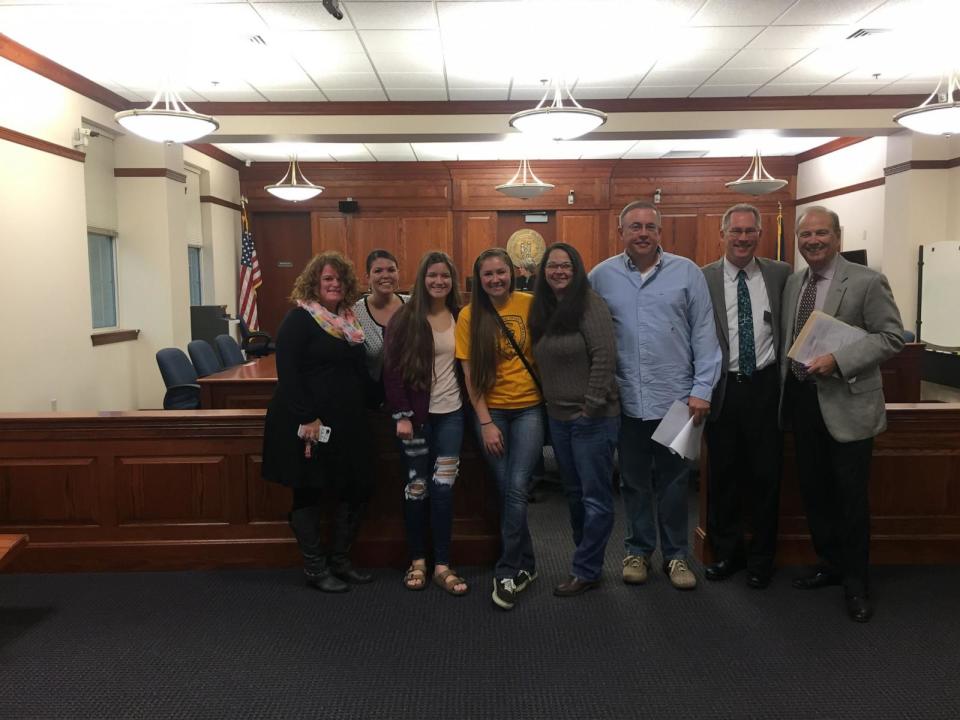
x=779, y=231
x=249, y=274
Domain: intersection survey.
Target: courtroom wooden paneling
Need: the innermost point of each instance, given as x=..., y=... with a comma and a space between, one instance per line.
x=418, y=236
x=153, y=490
x=474, y=185
x=509, y=222
x=366, y=233
x=283, y=247
x=328, y=233
x=914, y=492
x=678, y=235
x=586, y=231
x=476, y=232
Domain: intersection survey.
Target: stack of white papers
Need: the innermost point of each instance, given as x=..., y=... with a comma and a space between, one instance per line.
x=822, y=334
x=678, y=433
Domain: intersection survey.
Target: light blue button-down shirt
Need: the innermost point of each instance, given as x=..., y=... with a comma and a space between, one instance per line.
x=667, y=347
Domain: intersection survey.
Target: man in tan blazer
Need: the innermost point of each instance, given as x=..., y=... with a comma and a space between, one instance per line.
x=835, y=403
x=743, y=436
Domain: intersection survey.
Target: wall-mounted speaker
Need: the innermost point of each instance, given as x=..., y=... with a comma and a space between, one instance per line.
x=348, y=206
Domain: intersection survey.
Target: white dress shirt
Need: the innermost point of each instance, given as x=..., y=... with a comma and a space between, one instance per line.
x=762, y=317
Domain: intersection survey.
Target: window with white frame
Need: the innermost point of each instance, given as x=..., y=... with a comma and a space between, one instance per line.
x=194, y=254
x=102, y=251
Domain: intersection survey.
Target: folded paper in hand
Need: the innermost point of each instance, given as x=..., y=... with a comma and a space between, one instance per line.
x=822, y=334
x=678, y=433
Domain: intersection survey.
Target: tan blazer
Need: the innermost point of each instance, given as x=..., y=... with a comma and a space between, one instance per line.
x=852, y=403
x=775, y=274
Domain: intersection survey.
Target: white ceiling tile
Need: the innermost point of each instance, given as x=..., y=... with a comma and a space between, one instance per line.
x=299, y=16
x=603, y=93
x=417, y=94
x=742, y=76
x=278, y=74
x=292, y=95
x=906, y=87
x=338, y=63
x=477, y=17
x=724, y=91
x=232, y=95
x=435, y=151
x=714, y=38
x=740, y=12
x=624, y=80
x=361, y=95
x=601, y=149
x=478, y=93
x=349, y=152
x=827, y=12
x=765, y=58
x=401, y=41
x=426, y=61
x=678, y=77
x=783, y=89
x=850, y=89
x=392, y=15
x=319, y=43
x=402, y=81
x=391, y=152
x=808, y=36
x=345, y=81
x=898, y=13
x=663, y=91
x=467, y=81
x=693, y=59
x=526, y=92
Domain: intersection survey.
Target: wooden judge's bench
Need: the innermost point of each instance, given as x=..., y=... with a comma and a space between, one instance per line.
x=161, y=490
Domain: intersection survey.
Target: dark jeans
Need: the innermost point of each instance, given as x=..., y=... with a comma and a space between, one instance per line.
x=584, y=451
x=746, y=452
x=654, y=485
x=432, y=460
x=834, y=483
x=522, y=432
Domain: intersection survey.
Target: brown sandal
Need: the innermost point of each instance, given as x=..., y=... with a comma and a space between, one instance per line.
x=414, y=575
x=451, y=587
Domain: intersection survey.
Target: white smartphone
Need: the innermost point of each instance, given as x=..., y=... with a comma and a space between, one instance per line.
x=324, y=436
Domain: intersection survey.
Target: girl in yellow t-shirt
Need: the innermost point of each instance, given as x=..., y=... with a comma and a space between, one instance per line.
x=492, y=342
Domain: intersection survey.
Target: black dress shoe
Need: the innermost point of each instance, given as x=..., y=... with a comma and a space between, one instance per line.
x=819, y=579
x=859, y=608
x=722, y=569
x=758, y=580
x=574, y=586
x=326, y=582
x=350, y=574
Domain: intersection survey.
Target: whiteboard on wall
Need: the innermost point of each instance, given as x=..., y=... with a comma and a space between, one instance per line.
x=940, y=295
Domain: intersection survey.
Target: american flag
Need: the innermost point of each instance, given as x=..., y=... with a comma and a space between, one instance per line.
x=249, y=275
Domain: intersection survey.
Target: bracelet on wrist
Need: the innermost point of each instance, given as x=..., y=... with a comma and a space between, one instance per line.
x=488, y=422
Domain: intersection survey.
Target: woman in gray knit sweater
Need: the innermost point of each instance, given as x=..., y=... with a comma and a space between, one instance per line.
x=575, y=350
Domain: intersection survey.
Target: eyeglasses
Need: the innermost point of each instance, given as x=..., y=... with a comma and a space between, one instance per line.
x=566, y=267
x=649, y=227
x=820, y=234
x=737, y=232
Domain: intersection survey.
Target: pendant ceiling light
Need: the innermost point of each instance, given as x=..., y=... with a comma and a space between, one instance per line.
x=935, y=118
x=174, y=121
x=557, y=121
x=293, y=185
x=524, y=184
x=756, y=180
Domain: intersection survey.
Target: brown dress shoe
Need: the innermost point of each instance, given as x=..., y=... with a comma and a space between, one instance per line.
x=574, y=586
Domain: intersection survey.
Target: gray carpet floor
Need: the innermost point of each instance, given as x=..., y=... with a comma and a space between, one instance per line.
x=258, y=644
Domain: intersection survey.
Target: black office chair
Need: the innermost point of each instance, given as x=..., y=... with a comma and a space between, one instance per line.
x=254, y=342
x=230, y=352
x=205, y=360
x=180, y=378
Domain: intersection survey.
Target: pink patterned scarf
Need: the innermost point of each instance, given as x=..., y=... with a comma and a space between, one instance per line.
x=344, y=325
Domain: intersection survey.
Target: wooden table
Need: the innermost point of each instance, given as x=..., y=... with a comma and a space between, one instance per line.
x=10, y=545
x=242, y=387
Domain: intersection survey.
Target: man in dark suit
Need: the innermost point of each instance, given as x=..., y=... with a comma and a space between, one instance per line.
x=835, y=403
x=743, y=436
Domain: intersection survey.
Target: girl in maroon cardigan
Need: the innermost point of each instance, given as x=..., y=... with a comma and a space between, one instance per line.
x=423, y=392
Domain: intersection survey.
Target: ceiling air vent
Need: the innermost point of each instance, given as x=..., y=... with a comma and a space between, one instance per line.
x=257, y=40
x=866, y=32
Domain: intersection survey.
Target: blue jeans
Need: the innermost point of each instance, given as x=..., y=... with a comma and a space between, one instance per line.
x=652, y=477
x=522, y=432
x=432, y=460
x=584, y=451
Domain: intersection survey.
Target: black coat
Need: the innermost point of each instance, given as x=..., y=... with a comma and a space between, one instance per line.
x=319, y=376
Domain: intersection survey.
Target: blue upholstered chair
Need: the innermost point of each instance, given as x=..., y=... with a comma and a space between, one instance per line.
x=230, y=352
x=204, y=359
x=180, y=378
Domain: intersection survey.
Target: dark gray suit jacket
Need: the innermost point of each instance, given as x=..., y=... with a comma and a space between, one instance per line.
x=775, y=274
x=851, y=403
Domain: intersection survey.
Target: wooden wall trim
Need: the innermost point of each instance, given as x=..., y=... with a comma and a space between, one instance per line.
x=827, y=148
x=37, y=144
x=114, y=336
x=150, y=172
x=220, y=201
x=845, y=190
x=921, y=165
x=217, y=154
x=33, y=61
x=507, y=107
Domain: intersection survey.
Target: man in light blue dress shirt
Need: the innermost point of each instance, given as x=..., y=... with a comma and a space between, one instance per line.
x=667, y=350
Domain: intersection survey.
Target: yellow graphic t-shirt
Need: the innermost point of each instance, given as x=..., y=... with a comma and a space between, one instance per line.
x=513, y=388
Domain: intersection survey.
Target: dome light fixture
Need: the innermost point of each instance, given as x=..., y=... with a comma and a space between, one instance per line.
x=557, y=121
x=175, y=121
x=935, y=118
x=524, y=184
x=294, y=186
x=756, y=180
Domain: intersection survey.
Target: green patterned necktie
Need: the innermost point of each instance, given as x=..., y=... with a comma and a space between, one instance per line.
x=748, y=353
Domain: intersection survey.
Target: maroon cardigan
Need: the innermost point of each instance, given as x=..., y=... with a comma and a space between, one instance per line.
x=402, y=400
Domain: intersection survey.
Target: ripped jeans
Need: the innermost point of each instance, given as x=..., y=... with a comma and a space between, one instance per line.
x=432, y=461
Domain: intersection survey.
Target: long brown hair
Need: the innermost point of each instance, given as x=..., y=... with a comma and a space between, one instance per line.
x=409, y=336
x=307, y=285
x=550, y=315
x=484, y=328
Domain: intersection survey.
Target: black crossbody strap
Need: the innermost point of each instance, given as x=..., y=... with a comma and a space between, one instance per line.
x=519, y=352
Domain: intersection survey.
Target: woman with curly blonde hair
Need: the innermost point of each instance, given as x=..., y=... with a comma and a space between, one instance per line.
x=316, y=434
